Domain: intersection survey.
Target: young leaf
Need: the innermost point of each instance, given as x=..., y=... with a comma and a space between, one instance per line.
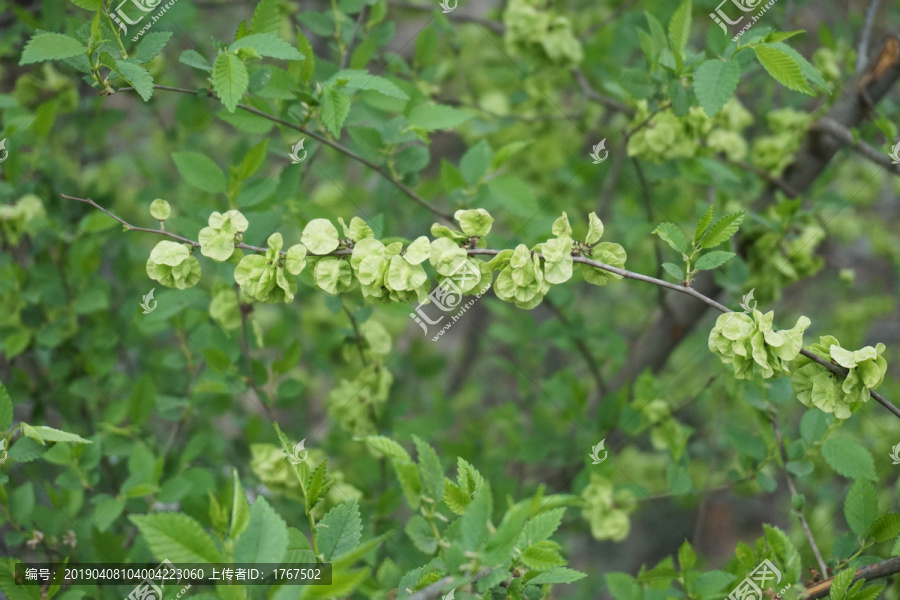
x=192, y=58
x=680, y=27
x=431, y=473
x=230, y=79
x=360, y=79
x=673, y=270
x=687, y=558
x=267, y=44
x=672, y=235
x=474, y=522
x=266, y=18
x=783, y=68
x=715, y=82
x=886, y=527
x=48, y=434
x=431, y=117
x=151, y=45
x=841, y=584
x=703, y=223
x=712, y=260
x=335, y=108
x=139, y=78
x=177, y=537
x=861, y=507
x=317, y=485
x=557, y=575
x=50, y=46
x=240, y=508
x=722, y=230
x=387, y=446
x=266, y=537
x=340, y=530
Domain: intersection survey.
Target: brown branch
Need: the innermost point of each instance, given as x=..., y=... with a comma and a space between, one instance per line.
x=846, y=137
x=878, y=570
x=345, y=151
x=689, y=291
x=436, y=589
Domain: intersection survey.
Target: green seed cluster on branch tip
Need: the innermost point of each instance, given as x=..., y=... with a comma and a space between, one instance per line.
x=817, y=386
x=172, y=265
x=751, y=345
x=395, y=272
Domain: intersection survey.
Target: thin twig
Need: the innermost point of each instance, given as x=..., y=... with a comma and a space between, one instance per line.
x=436, y=589
x=359, y=21
x=345, y=151
x=359, y=344
x=792, y=488
x=834, y=368
x=592, y=94
x=863, y=49
x=846, y=137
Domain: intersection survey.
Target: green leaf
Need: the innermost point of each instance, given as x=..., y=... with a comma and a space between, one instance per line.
x=151, y=45
x=268, y=44
x=848, y=458
x=542, y=526
x=50, y=46
x=886, y=527
x=475, y=162
x=432, y=117
x=339, y=530
x=673, y=270
x=722, y=230
x=712, y=260
x=419, y=531
x=622, y=586
x=177, y=537
x=6, y=409
x=240, y=508
x=703, y=224
x=360, y=79
x=317, y=485
x=142, y=400
x=266, y=537
x=387, y=446
x=543, y=556
x=48, y=434
x=192, y=58
x=672, y=235
x=711, y=582
x=138, y=77
x=783, y=68
x=230, y=79
x=557, y=575
x=687, y=558
x=780, y=36
x=715, y=82
x=841, y=584
x=335, y=108
x=200, y=171
x=431, y=473
x=474, y=522
x=680, y=27
x=266, y=18
x=810, y=71
x=861, y=507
